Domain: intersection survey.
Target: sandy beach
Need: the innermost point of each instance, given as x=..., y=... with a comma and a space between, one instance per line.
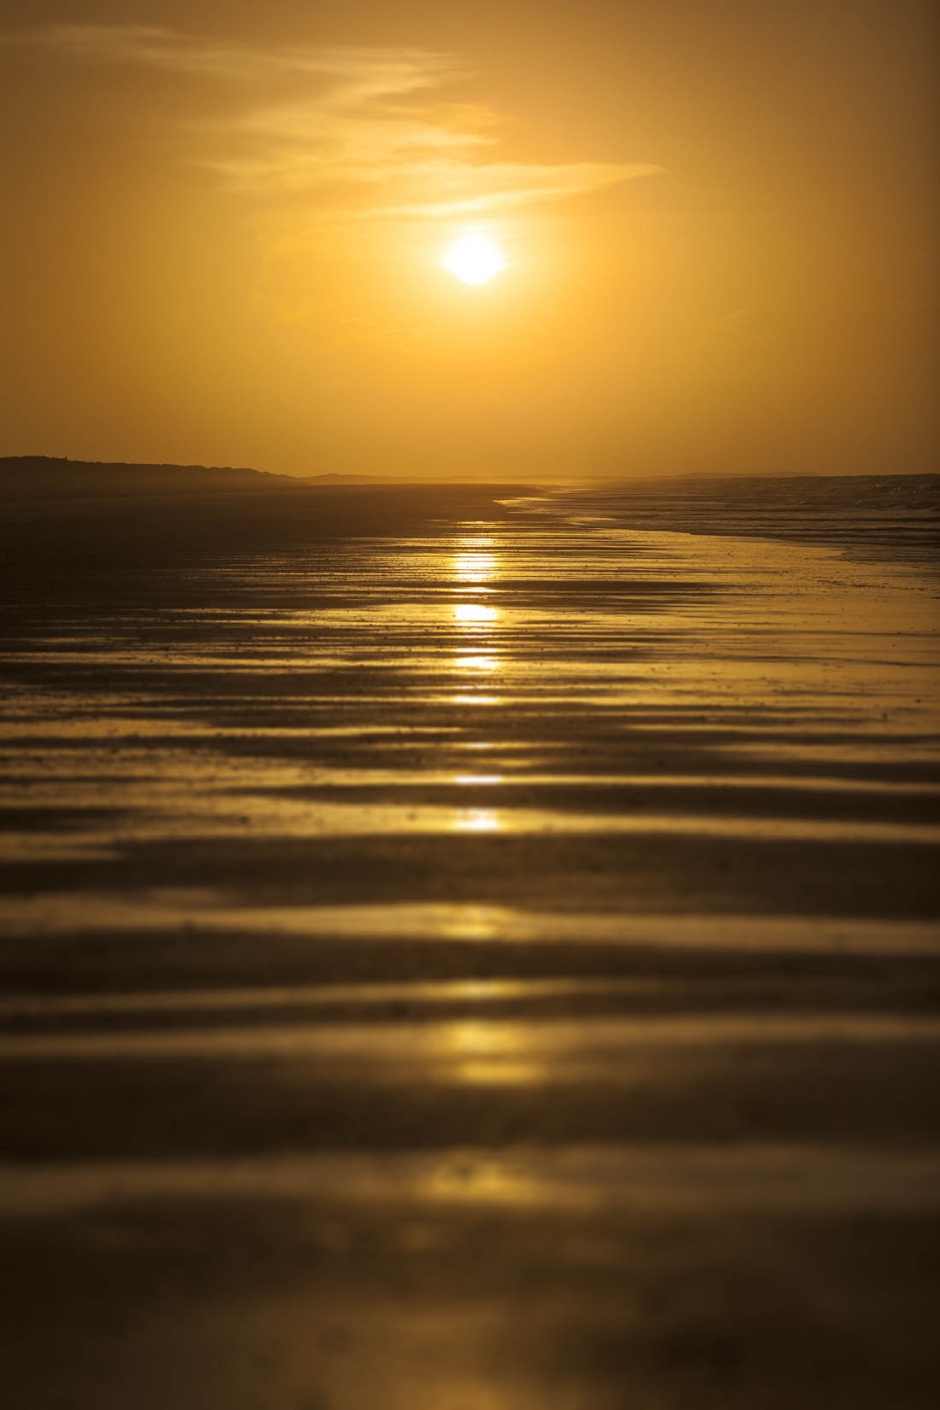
x=471, y=947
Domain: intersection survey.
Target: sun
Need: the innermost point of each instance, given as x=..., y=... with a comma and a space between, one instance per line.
x=475, y=259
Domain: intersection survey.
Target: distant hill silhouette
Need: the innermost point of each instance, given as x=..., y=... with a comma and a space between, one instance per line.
x=67, y=525
x=44, y=477
x=343, y=480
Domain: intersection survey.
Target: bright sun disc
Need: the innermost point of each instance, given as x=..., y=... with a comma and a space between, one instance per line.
x=474, y=259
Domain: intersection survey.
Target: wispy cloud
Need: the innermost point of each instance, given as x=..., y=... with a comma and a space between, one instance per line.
x=359, y=132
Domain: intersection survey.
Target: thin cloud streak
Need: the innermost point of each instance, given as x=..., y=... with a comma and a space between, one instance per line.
x=351, y=128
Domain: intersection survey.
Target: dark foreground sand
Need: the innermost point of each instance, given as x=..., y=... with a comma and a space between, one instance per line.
x=463, y=957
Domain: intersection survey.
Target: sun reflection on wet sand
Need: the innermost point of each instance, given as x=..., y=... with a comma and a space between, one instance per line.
x=465, y=660
x=475, y=567
x=475, y=561
x=477, y=820
x=480, y=1052
x=475, y=614
x=462, y=698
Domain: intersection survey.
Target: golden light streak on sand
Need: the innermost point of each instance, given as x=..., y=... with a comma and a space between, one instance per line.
x=474, y=567
x=475, y=1052
x=475, y=614
x=477, y=820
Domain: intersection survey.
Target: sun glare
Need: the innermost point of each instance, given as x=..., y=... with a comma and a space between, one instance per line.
x=474, y=259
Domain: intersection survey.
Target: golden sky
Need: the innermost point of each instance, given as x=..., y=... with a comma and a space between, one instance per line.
x=225, y=226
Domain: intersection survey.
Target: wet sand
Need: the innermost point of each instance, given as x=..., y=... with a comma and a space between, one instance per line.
x=468, y=954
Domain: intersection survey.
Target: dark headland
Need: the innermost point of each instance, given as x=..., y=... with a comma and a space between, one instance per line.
x=59, y=518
